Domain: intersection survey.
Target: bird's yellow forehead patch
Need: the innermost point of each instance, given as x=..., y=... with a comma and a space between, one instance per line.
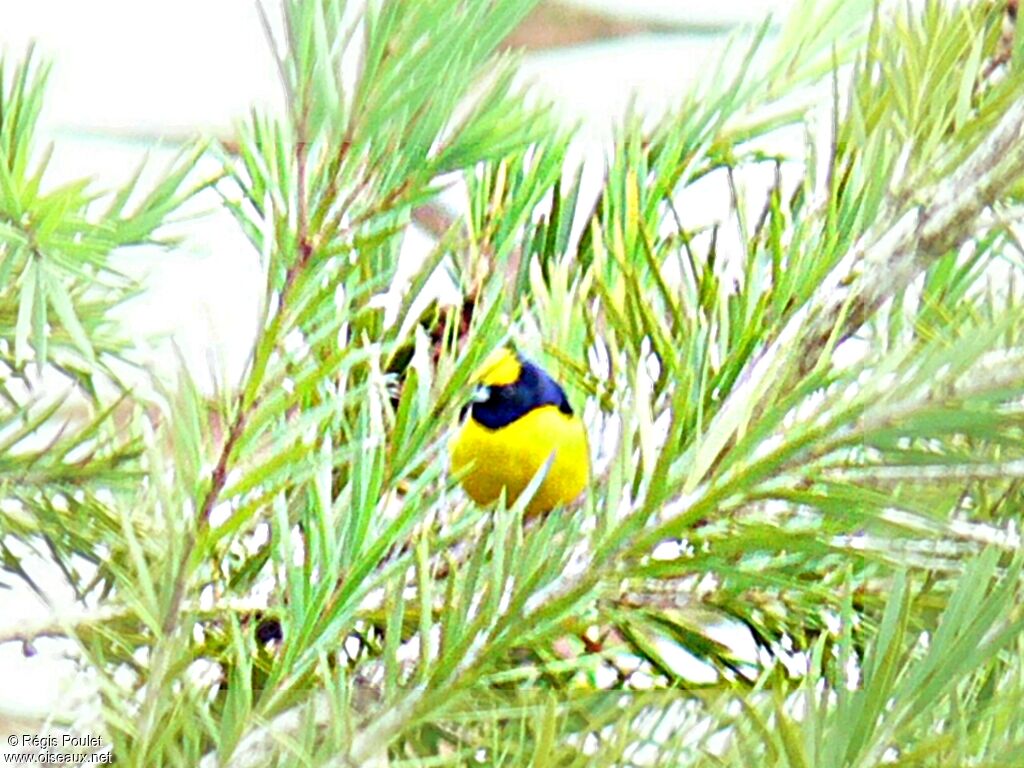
x=501, y=368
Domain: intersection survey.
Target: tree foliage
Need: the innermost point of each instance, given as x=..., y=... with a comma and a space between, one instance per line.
x=808, y=412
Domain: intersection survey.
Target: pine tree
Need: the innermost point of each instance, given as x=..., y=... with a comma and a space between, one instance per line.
x=807, y=412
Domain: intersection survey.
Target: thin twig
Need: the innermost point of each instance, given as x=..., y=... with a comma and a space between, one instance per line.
x=880, y=265
x=70, y=623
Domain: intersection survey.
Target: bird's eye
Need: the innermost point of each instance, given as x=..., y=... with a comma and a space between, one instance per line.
x=481, y=394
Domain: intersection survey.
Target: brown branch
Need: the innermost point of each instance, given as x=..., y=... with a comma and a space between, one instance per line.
x=881, y=264
x=555, y=25
x=1004, y=48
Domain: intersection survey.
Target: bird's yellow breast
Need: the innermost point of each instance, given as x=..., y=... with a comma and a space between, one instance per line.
x=507, y=458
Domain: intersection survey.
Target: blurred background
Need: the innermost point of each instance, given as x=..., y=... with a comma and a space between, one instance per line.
x=145, y=69
x=133, y=79
x=138, y=78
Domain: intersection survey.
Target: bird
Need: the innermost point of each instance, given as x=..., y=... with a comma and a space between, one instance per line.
x=518, y=419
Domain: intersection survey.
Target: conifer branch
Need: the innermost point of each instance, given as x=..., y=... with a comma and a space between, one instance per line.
x=879, y=266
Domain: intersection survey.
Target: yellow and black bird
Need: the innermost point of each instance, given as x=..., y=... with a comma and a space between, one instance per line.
x=518, y=419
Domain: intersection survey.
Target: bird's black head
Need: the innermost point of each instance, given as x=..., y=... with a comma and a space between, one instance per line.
x=498, y=405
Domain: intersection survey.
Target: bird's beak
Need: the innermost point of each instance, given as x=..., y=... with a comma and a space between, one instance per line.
x=481, y=394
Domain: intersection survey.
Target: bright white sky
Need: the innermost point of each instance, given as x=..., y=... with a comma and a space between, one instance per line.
x=174, y=67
